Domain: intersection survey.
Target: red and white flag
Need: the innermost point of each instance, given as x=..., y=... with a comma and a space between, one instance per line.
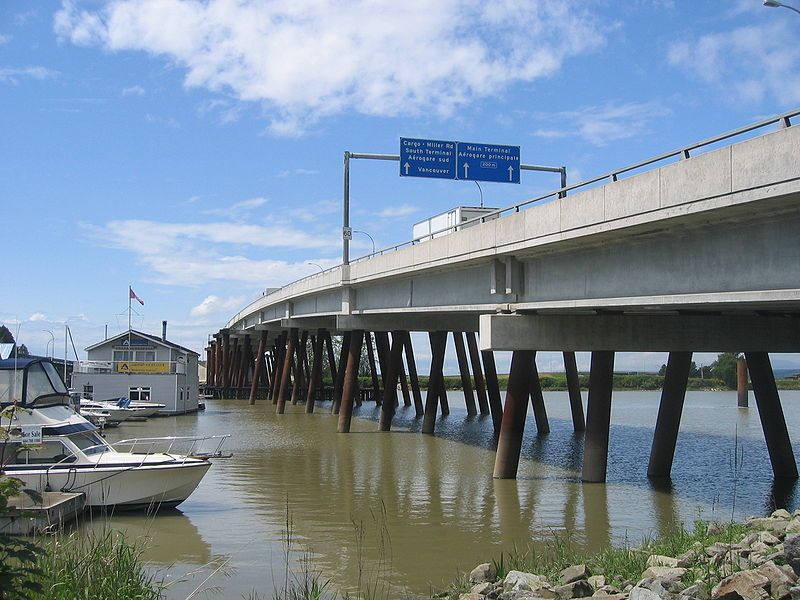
x=133, y=296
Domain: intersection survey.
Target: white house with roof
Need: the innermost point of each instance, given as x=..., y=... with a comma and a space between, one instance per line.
x=141, y=367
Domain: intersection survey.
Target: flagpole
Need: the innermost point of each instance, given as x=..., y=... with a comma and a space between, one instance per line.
x=130, y=354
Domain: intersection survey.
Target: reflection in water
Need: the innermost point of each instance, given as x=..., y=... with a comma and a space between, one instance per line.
x=414, y=509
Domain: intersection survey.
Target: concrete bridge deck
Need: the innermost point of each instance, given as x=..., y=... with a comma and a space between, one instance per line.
x=700, y=254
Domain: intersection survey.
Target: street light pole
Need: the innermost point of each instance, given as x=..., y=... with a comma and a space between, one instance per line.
x=776, y=4
x=370, y=238
x=52, y=341
x=321, y=270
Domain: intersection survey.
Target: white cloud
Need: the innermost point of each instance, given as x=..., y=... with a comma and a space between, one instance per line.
x=37, y=316
x=394, y=212
x=191, y=200
x=238, y=208
x=600, y=125
x=747, y=64
x=214, y=304
x=305, y=61
x=14, y=74
x=156, y=120
x=135, y=90
x=296, y=172
x=195, y=253
x=5, y=38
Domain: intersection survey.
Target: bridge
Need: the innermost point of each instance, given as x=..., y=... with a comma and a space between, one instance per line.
x=695, y=250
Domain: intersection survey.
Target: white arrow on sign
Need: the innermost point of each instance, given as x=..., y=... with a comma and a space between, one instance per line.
x=466, y=170
x=407, y=166
x=510, y=173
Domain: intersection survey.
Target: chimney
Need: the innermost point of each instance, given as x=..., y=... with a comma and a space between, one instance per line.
x=163, y=331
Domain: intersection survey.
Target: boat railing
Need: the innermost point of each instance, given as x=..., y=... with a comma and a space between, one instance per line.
x=209, y=446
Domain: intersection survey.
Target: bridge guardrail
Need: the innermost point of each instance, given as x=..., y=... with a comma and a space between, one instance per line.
x=783, y=120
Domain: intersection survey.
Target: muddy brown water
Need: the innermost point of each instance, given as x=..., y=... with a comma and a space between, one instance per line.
x=410, y=511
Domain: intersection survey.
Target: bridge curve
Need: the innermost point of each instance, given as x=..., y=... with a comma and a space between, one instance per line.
x=699, y=254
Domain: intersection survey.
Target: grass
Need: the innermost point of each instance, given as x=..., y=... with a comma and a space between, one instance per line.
x=620, y=565
x=95, y=566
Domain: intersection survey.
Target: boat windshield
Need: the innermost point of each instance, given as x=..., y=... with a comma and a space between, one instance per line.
x=10, y=385
x=90, y=443
x=43, y=380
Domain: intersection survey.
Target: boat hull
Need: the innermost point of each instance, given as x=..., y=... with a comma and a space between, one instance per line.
x=121, y=486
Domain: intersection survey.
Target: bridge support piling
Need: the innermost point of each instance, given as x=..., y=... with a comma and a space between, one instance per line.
x=283, y=390
x=435, y=380
x=512, y=428
x=260, y=366
x=412, y=375
x=444, y=404
x=226, y=360
x=350, y=380
x=331, y=355
x=537, y=401
x=394, y=363
x=316, y=371
x=299, y=377
x=574, y=390
x=463, y=369
x=280, y=359
x=493, y=389
x=771, y=414
x=480, y=382
x=338, y=385
x=668, y=422
x=742, y=400
x=598, y=418
x=403, y=380
x=373, y=369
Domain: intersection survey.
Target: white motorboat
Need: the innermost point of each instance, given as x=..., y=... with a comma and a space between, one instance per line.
x=115, y=413
x=51, y=447
x=142, y=409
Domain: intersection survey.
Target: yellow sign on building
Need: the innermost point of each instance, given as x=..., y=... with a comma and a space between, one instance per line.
x=142, y=367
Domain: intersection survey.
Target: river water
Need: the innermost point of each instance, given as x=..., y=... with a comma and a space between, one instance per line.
x=411, y=510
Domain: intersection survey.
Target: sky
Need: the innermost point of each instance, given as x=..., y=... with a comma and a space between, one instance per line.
x=193, y=150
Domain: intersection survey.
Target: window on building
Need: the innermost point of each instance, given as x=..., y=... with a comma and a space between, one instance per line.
x=180, y=394
x=122, y=355
x=139, y=394
x=146, y=355
x=88, y=392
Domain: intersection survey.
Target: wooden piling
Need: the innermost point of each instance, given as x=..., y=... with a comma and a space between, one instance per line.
x=299, y=372
x=373, y=368
x=438, y=341
x=259, y=367
x=285, y=371
x=463, y=369
x=338, y=385
x=350, y=381
x=509, y=444
x=388, y=407
x=412, y=375
x=316, y=371
x=673, y=394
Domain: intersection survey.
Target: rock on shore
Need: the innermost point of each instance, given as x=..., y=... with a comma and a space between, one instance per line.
x=763, y=565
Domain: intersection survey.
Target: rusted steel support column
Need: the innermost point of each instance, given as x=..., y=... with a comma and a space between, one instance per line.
x=463, y=369
x=338, y=384
x=373, y=368
x=306, y=365
x=412, y=375
x=299, y=377
x=218, y=362
x=233, y=365
x=492, y=389
x=742, y=401
x=669, y=414
x=574, y=390
x=316, y=371
x=480, y=382
x=285, y=371
x=382, y=349
x=209, y=365
x=226, y=360
x=435, y=383
x=598, y=417
x=350, y=380
x=537, y=401
x=512, y=429
x=403, y=381
x=280, y=358
x=331, y=356
x=244, y=368
x=771, y=414
x=395, y=361
x=260, y=366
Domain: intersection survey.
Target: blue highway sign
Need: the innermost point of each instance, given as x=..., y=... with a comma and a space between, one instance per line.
x=428, y=158
x=488, y=162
